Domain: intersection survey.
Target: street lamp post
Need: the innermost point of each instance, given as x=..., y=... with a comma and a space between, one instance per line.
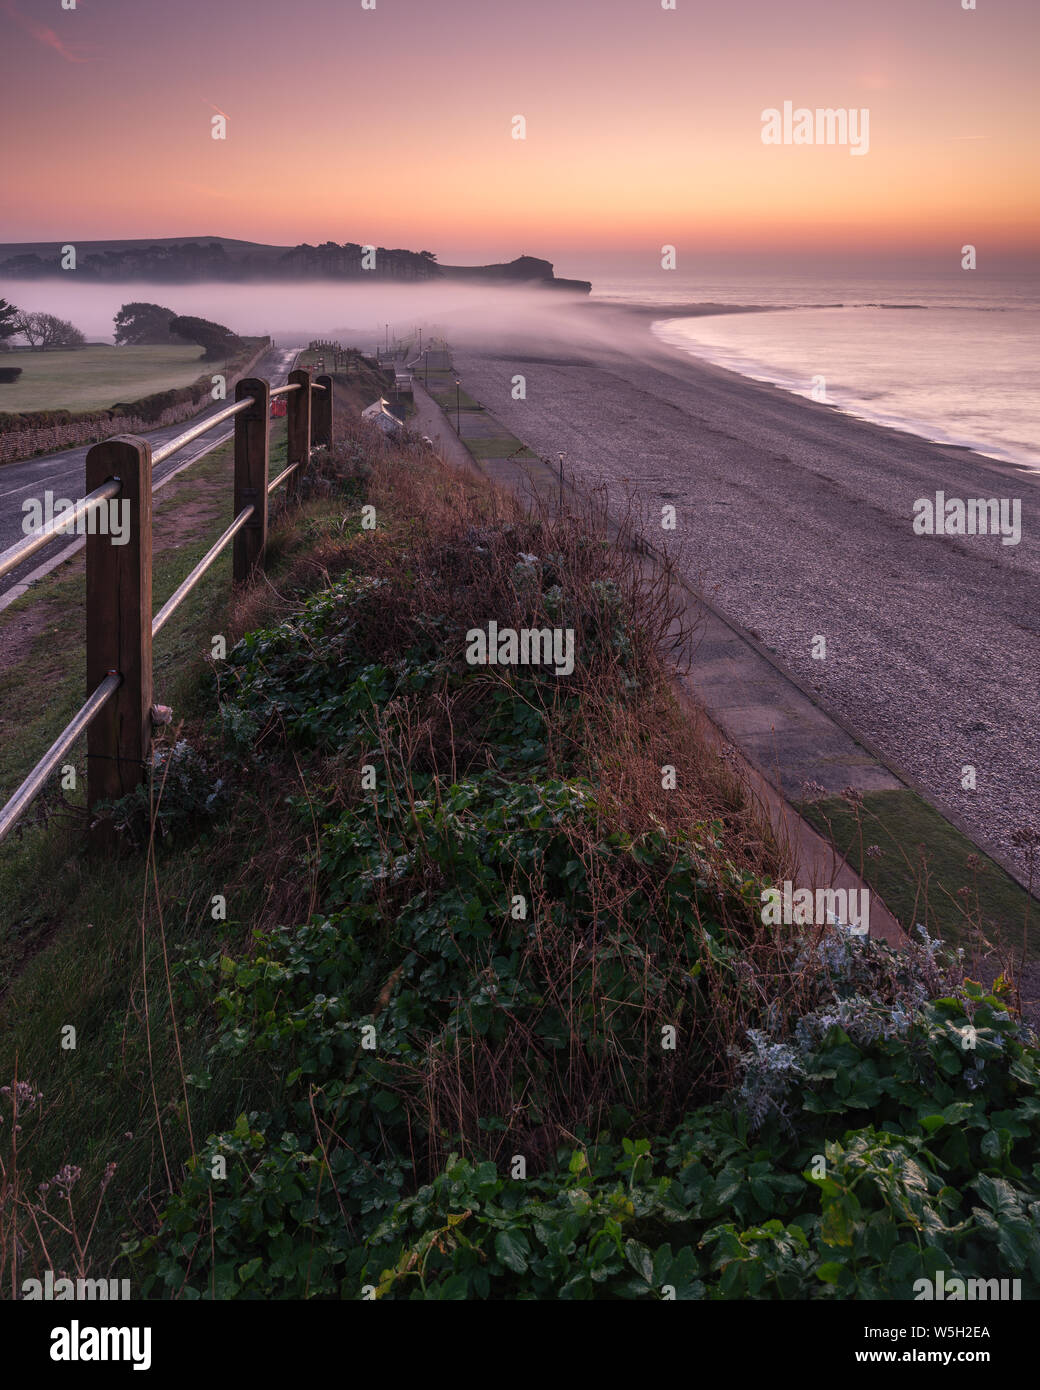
x=458, y=407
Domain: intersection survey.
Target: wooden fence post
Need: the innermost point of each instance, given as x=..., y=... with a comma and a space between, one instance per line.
x=321, y=420
x=299, y=429
x=252, y=451
x=119, y=625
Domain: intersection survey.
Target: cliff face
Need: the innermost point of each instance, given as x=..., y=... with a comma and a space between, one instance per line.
x=525, y=270
x=219, y=259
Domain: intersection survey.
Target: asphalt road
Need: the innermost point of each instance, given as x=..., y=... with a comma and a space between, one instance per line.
x=63, y=474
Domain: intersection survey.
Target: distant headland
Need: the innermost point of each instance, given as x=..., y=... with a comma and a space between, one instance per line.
x=176, y=260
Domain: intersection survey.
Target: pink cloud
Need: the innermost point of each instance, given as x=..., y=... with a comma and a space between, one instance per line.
x=72, y=53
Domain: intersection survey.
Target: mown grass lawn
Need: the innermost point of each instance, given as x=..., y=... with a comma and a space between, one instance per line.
x=97, y=377
x=926, y=870
x=498, y=446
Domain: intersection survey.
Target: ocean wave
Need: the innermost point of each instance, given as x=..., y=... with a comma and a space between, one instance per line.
x=910, y=375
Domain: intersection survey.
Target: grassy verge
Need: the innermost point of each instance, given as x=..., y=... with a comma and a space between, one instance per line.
x=500, y=446
x=444, y=394
x=439, y=978
x=927, y=871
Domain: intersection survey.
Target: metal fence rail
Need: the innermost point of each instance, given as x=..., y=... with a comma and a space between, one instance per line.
x=36, y=780
x=13, y=556
x=117, y=715
x=186, y=585
x=275, y=482
x=168, y=450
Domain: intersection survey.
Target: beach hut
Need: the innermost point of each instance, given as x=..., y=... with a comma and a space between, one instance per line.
x=379, y=413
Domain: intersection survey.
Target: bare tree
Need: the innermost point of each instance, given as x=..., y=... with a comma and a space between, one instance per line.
x=28, y=326
x=45, y=331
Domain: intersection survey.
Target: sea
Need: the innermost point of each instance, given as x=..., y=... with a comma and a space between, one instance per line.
x=955, y=360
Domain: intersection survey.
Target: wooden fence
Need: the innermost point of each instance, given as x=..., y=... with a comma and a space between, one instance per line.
x=117, y=715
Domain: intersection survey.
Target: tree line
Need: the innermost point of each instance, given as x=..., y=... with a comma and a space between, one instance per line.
x=194, y=261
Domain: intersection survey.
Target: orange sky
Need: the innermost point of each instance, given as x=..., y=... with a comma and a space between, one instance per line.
x=644, y=125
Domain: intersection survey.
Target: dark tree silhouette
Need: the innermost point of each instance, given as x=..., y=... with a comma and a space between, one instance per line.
x=141, y=323
x=216, y=341
x=8, y=322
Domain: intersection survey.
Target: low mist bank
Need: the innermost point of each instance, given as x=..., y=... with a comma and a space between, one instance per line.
x=479, y=317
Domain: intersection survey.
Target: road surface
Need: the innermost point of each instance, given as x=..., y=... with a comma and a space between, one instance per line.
x=63, y=474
